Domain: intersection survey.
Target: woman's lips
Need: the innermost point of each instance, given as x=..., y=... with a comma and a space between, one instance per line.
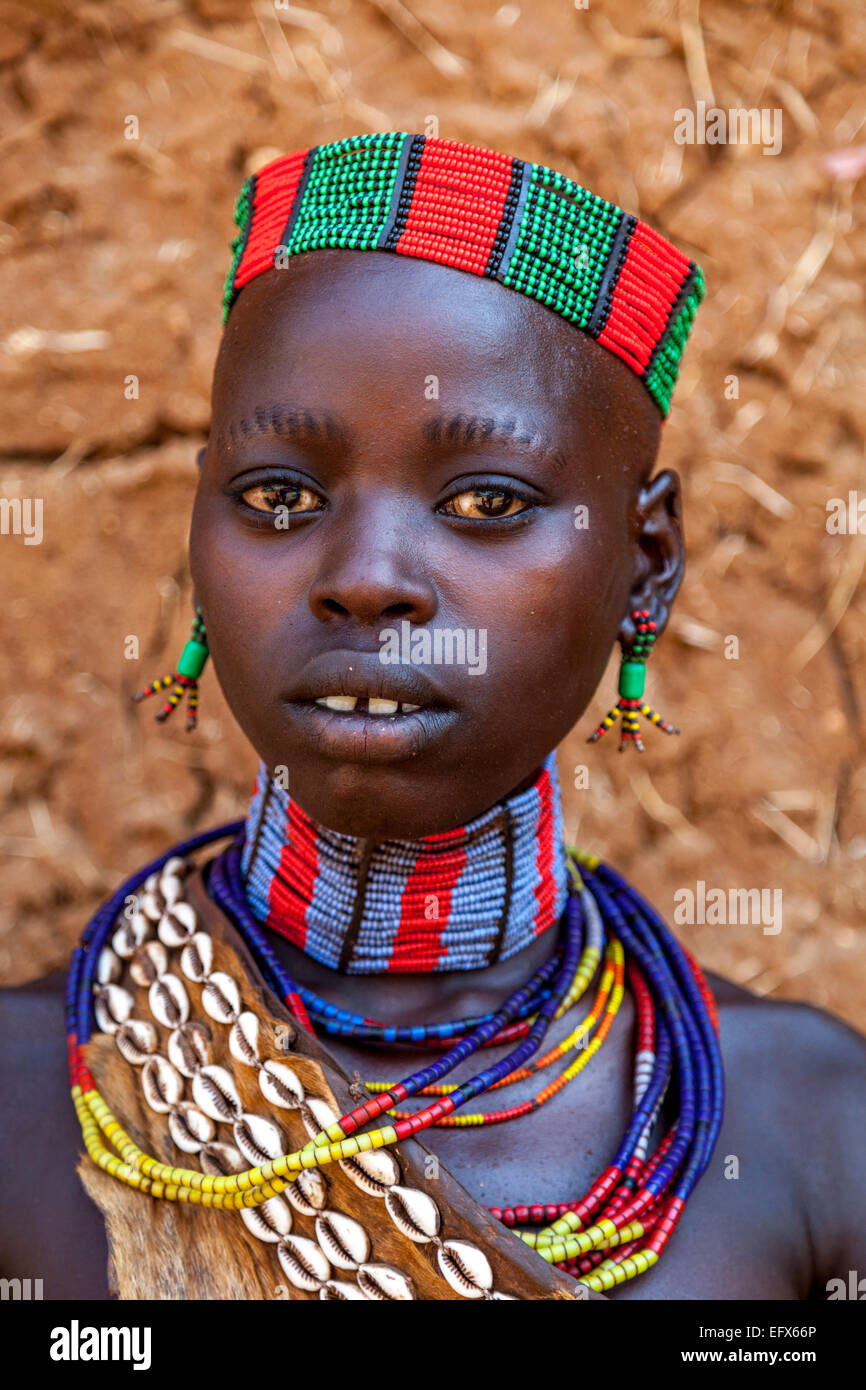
x=351, y=707
x=358, y=735
x=371, y=704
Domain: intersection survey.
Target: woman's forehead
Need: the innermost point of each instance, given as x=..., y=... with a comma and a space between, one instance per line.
x=316, y=346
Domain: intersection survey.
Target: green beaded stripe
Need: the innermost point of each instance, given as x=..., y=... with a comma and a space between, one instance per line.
x=243, y=208
x=661, y=378
x=346, y=201
x=562, y=246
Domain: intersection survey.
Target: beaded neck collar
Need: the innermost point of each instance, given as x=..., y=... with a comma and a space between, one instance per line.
x=459, y=900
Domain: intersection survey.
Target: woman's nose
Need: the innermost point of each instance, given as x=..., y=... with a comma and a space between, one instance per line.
x=371, y=573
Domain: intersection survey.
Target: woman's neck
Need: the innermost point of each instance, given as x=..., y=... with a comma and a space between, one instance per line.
x=461, y=900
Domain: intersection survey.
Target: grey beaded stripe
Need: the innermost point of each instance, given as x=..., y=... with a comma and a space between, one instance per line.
x=618, y=252
x=404, y=187
x=509, y=224
x=295, y=209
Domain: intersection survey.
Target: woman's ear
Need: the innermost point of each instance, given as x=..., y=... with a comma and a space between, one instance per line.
x=659, y=549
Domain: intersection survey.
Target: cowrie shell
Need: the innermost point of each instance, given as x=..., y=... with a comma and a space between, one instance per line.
x=221, y=997
x=214, y=1092
x=244, y=1039
x=280, y=1085
x=189, y=1047
x=130, y=933
x=161, y=1083
x=136, y=1040
x=177, y=925
x=304, y=1264
x=465, y=1267
x=259, y=1139
x=505, y=1297
x=151, y=883
x=168, y=1000
x=153, y=904
x=385, y=1283
x=317, y=1115
x=108, y=967
x=335, y=1289
x=112, y=1006
x=221, y=1159
x=196, y=958
x=309, y=1192
x=176, y=867
x=414, y=1213
x=170, y=887
x=148, y=963
x=270, y=1221
x=343, y=1239
x=374, y=1172
x=189, y=1128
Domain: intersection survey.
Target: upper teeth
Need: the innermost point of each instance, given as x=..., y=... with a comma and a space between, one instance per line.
x=374, y=705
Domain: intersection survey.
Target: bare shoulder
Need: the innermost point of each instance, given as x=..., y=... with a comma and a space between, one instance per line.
x=814, y=1036
x=800, y=1073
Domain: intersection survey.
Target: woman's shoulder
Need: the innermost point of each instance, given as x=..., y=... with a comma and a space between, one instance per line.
x=804, y=1028
x=799, y=1074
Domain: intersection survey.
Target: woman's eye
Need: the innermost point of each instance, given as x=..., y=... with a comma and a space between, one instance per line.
x=273, y=497
x=483, y=502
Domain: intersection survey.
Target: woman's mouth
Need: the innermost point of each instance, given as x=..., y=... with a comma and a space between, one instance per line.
x=347, y=706
x=358, y=729
x=366, y=704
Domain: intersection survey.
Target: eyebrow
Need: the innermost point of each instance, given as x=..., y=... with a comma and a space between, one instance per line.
x=301, y=426
x=477, y=429
x=309, y=426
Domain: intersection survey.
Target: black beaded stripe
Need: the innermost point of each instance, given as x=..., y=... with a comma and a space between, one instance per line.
x=615, y=261
x=684, y=291
x=295, y=209
x=404, y=187
x=350, y=940
x=509, y=219
x=501, y=270
x=508, y=838
x=263, y=811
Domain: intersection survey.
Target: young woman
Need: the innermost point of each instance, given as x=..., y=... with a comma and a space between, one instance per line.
x=426, y=512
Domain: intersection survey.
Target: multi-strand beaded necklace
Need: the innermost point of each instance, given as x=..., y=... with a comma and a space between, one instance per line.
x=620, y=1227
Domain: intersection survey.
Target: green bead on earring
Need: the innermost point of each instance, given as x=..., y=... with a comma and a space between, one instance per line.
x=185, y=679
x=632, y=680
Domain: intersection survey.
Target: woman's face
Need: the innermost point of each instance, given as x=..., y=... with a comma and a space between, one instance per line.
x=420, y=489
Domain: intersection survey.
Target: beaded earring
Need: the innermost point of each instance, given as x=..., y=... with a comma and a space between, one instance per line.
x=632, y=676
x=189, y=668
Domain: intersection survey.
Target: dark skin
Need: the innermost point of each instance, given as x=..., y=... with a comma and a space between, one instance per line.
x=391, y=517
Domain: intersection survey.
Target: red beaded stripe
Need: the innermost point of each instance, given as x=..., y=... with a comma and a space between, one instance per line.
x=273, y=196
x=417, y=942
x=448, y=222
x=545, y=891
x=295, y=1004
x=291, y=890
x=637, y=319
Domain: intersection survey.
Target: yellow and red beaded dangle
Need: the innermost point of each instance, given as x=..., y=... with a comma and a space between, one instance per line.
x=632, y=678
x=185, y=679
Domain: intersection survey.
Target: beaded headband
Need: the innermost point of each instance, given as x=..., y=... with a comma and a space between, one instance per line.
x=525, y=225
